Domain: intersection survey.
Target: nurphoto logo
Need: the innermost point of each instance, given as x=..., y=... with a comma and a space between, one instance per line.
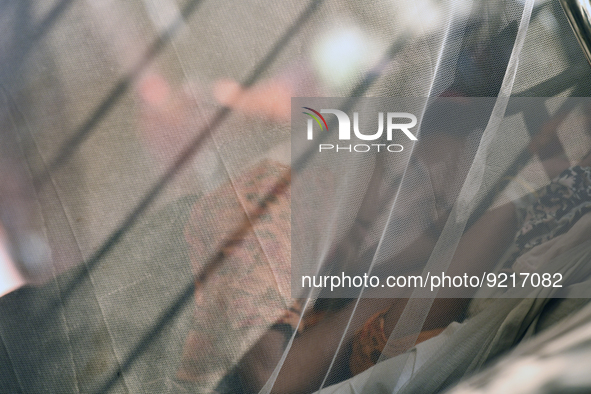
x=396, y=123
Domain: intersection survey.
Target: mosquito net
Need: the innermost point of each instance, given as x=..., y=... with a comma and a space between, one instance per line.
x=194, y=196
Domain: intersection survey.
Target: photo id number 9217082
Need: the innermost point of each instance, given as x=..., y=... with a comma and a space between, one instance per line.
x=523, y=279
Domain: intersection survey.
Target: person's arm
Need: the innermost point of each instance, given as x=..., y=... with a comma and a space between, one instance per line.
x=478, y=249
x=311, y=352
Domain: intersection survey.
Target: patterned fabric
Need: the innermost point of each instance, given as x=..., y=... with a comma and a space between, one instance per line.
x=237, y=300
x=558, y=207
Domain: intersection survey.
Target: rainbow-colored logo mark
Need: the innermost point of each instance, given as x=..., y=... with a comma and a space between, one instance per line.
x=316, y=118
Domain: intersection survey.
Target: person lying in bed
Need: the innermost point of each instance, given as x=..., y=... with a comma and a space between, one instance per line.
x=523, y=227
